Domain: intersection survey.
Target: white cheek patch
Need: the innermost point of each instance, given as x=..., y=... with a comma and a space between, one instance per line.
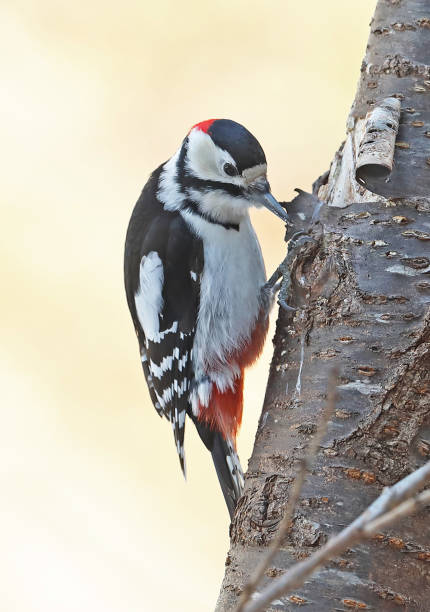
x=148, y=298
x=206, y=161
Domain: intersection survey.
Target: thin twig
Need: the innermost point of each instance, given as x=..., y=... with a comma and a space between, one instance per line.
x=304, y=466
x=408, y=507
x=393, y=503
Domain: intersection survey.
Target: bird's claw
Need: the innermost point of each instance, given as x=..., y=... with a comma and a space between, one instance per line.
x=283, y=304
x=297, y=240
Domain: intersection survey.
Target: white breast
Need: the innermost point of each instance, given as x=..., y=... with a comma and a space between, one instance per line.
x=232, y=277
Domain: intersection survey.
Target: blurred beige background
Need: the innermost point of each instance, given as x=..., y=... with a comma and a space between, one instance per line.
x=94, y=512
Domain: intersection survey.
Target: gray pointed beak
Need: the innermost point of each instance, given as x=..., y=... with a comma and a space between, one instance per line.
x=273, y=205
x=260, y=192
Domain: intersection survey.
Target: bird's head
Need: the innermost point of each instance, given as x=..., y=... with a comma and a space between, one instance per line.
x=219, y=171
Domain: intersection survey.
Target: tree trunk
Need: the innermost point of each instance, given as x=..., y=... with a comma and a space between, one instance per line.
x=363, y=295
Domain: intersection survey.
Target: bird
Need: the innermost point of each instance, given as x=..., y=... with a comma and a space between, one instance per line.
x=196, y=286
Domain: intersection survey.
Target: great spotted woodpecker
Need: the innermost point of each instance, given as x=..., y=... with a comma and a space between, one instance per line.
x=195, y=284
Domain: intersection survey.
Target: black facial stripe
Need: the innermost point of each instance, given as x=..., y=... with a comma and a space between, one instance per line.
x=191, y=182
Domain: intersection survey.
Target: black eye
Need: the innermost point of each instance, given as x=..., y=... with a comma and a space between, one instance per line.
x=230, y=170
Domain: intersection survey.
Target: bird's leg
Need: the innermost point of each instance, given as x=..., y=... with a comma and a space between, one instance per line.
x=281, y=278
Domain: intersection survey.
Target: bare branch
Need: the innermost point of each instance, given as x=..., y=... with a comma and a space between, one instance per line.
x=393, y=503
x=410, y=506
x=304, y=467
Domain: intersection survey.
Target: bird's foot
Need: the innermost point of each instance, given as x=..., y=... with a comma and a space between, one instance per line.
x=281, y=278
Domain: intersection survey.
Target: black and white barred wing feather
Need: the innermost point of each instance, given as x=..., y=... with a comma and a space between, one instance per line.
x=163, y=288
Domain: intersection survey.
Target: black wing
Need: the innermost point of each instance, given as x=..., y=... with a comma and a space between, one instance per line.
x=166, y=355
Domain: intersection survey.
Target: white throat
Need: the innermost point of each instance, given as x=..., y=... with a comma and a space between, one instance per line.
x=221, y=206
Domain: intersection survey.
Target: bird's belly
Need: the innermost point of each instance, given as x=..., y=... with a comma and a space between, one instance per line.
x=232, y=277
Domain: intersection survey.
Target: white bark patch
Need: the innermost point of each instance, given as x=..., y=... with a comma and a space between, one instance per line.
x=342, y=188
x=376, y=148
x=298, y=389
x=406, y=271
x=361, y=387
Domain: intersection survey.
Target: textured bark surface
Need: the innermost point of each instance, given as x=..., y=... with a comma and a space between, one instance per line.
x=363, y=292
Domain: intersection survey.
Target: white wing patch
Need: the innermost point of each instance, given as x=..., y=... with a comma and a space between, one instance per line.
x=148, y=298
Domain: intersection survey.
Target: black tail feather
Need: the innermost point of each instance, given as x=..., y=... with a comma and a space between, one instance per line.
x=226, y=472
x=226, y=463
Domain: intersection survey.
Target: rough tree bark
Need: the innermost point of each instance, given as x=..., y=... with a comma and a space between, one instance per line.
x=363, y=293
